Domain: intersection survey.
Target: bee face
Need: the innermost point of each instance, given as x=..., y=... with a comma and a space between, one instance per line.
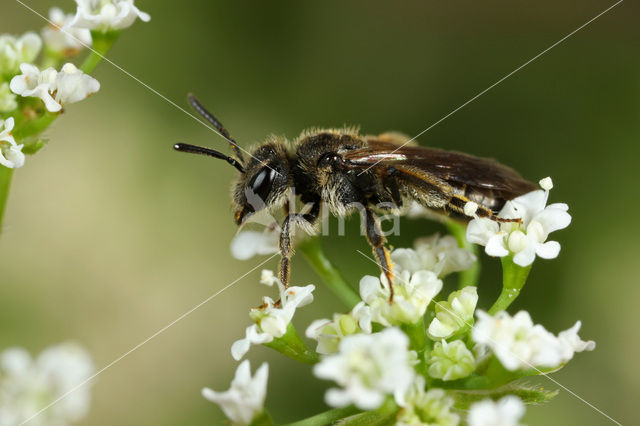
x=264, y=182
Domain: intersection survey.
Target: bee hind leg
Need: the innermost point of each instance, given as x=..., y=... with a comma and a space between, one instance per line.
x=377, y=240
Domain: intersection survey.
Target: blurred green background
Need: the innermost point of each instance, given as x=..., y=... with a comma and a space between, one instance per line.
x=110, y=235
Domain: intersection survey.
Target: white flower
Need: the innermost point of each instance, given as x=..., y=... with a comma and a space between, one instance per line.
x=272, y=318
x=506, y=412
x=438, y=254
x=61, y=40
x=451, y=361
x=11, y=155
x=105, y=15
x=249, y=243
x=7, y=99
x=329, y=333
x=54, y=88
x=519, y=344
x=15, y=51
x=245, y=398
x=571, y=343
x=28, y=385
x=368, y=367
x=525, y=240
x=455, y=313
x=432, y=407
x=412, y=293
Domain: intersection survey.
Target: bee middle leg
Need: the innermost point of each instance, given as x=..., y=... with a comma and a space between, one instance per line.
x=286, y=250
x=377, y=240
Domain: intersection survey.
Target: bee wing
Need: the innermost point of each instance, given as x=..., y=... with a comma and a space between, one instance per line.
x=462, y=171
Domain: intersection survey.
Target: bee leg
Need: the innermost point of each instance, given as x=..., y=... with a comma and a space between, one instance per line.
x=376, y=239
x=286, y=250
x=455, y=208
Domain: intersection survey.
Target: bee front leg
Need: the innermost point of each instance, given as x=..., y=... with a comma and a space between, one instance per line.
x=286, y=249
x=377, y=240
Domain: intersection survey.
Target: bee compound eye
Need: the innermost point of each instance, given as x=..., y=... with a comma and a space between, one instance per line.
x=262, y=182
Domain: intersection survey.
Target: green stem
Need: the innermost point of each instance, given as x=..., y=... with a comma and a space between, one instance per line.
x=312, y=250
x=471, y=275
x=5, y=184
x=385, y=415
x=102, y=42
x=36, y=126
x=292, y=346
x=513, y=279
x=328, y=417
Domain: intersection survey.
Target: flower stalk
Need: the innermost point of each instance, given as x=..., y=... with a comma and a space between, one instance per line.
x=312, y=250
x=513, y=279
x=36, y=126
x=468, y=276
x=102, y=43
x=5, y=183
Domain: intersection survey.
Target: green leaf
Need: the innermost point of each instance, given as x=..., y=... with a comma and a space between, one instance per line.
x=529, y=394
x=292, y=346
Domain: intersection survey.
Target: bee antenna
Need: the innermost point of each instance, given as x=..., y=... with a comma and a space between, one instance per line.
x=185, y=147
x=200, y=109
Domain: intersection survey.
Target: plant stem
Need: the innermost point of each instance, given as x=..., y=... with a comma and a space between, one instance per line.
x=292, y=346
x=36, y=126
x=5, y=183
x=312, y=250
x=469, y=276
x=328, y=417
x=513, y=279
x=102, y=42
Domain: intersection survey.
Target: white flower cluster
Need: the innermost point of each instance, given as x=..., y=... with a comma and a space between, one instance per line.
x=54, y=88
x=249, y=243
x=506, y=412
x=273, y=317
x=10, y=152
x=422, y=407
x=64, y=37
x=329, y=333
x=17, y=50
x=454, y=314
x=368, y=367
x=62, y=40
x=522, y=240
x=520, y=344
x=245, y=398
x=106, y=15
x=405, y=351
x=27, y=385
x=441, y=255
x=412, y=293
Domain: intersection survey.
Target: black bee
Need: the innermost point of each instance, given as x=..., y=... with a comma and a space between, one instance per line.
x=348, y=172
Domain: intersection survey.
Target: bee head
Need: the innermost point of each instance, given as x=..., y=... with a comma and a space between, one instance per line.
x=264, y=182
x=264, y=178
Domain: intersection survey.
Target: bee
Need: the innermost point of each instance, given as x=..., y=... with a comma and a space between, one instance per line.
x=349, y=172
